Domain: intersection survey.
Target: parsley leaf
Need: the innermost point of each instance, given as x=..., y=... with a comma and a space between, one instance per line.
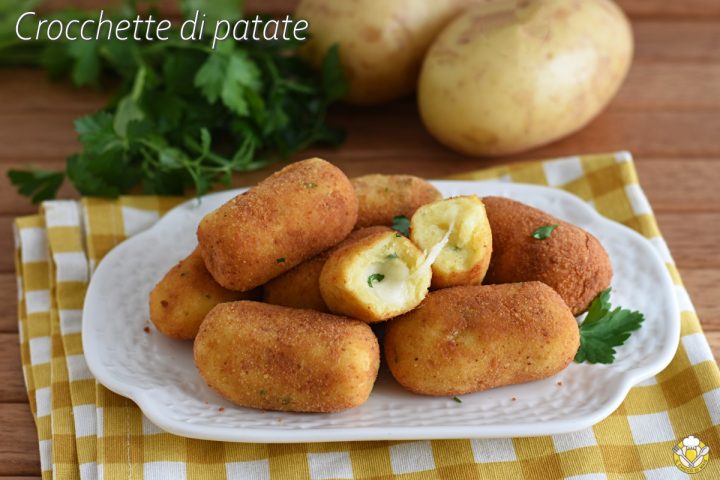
x=226, y=75
x=544, y=232
x=37, y=184
x=456, y=400
x=604, y=328
x=401, y=224
x=182, y=115
x=333, y=78
x=375, y=277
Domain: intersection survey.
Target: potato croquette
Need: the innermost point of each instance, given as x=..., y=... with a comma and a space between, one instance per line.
x=300, y=286
x=187, y=292
x=278, y=358
x=383, y=197
x=471, y=338
x=289, y=217
x=375, y=278
x=570, y=260
x=465, y=258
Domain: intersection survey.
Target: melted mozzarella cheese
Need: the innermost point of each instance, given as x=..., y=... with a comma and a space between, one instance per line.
x=393, y=288
x=397, y=285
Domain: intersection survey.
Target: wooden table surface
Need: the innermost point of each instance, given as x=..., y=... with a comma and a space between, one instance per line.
x=667, y=114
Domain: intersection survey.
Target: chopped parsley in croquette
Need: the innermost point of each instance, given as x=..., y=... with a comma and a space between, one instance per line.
x=375, y=277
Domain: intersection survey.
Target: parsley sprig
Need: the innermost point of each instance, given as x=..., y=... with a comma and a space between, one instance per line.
x=183, y=115
x=541, y=233
x=375, y=278
x=401, y=224
x=604, y=329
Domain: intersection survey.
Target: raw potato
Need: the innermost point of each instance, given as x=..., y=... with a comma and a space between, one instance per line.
x=570, y=260
x=300, y=287
x=375, y=278
x=187, y=292
x=500, y=80
x=467, y=339
x=465, y=258
x=286, y=219
x=278, y=358
x=381, y=42
x=383, y=197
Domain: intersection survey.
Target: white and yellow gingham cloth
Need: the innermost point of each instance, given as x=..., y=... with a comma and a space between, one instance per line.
x=87, y=432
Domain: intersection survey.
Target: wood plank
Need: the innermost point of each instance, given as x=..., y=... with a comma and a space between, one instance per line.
x=7, y=245
x=12, y=385
x=658, y=134
x=692, y=238
x=635, y=8
x=703, y=286
x=8, y=300
x=670, y=86
x=18, y=444
x=648, y=86
x=677, y=40
x=665, y=134
x=674, y=185
x=29, y=90
x=663, y=8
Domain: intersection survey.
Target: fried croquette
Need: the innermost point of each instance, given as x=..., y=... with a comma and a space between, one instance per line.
x=383, y=197
x=187, y=292
x=278, y=358
x=570, y=260
x=289, y=217
x=300, y=286
x=375, y=278
x=465, y=258
x=471, y=338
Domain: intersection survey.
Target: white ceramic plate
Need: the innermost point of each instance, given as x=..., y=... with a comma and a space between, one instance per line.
x=159, y=375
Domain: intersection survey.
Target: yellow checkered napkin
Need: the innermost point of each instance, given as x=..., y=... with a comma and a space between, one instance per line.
x=87, y=432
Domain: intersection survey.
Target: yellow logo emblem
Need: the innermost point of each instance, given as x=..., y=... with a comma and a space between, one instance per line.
x=691, y=455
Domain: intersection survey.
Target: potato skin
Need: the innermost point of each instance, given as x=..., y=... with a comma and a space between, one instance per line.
x=291, y=216
x=571, y=260
x=383, y=197
x=501, y=80
x=278, y=358
x=472, y=338
x=300, y=286
x=381, y=42
x=187, y=292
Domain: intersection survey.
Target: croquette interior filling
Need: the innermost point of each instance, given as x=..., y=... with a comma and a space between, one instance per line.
x=395, y=281
x=461, y=252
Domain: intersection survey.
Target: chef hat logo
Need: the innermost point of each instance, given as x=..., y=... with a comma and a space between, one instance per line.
x=691, y=442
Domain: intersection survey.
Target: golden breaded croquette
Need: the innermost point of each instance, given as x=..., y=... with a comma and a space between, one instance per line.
x=472, y=338
x=383, y=197
x=375, y=278
x=300, y=286
x=278, y=358
x=289, y=217
x=465, y=258
x=570, y=260
x=187, y=292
